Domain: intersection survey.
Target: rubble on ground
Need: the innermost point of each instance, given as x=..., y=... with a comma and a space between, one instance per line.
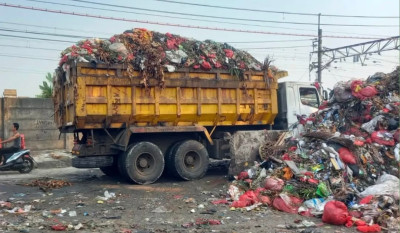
x=340, y=163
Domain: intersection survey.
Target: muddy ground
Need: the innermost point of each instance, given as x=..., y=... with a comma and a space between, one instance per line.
x=170, y=205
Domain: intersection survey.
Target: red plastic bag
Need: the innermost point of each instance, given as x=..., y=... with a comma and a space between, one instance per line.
x=366, y=200
x=249, y=196
x=368, y=91
x=335, y=212
x=372, y=228
x=222, y=201
x=240, y=204
x=243, y=176
x=347, y=156
x=381, y=141
x=288, y=204
x=265, y=200
x=274, y=184
x=206, y=65
x=259, y=190
x=59, y=227
x=228, y=53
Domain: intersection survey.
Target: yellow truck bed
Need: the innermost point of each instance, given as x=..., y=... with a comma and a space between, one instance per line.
x=106, y=97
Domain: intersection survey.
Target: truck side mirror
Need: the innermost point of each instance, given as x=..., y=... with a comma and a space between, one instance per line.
x=325, y=94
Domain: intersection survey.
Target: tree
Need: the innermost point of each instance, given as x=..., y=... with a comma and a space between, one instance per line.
x=47, y=87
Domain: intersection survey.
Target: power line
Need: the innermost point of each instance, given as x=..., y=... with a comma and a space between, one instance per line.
x=264, y=41
x=44, y=33
x=276, y=12
x=167, y=16
x=28, y=47
x=288, y=47
x=52, y=28
x=35, y=38
x=164, y=12
x=170, y=24
x=230, y=18
x=26, y=57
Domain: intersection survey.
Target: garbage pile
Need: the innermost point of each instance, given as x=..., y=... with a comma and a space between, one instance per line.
x=340, y=163
x=153, y=52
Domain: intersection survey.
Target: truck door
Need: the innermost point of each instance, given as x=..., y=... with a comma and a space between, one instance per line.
x=309, y=100
x=293, y=107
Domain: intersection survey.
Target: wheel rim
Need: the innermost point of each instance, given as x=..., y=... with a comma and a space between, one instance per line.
x=27, y=165
x=145, y=163
x=192, y=160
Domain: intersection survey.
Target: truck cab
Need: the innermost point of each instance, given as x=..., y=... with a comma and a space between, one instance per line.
x=295, y=98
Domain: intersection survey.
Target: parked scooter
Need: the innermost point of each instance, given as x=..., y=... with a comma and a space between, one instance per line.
x=20, y=161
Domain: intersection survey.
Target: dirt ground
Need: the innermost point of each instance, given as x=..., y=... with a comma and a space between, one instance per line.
x=170, y=205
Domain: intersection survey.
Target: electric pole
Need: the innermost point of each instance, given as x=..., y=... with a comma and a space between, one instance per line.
x=319, y=49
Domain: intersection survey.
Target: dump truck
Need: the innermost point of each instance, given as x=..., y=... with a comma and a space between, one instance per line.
x=127, y=129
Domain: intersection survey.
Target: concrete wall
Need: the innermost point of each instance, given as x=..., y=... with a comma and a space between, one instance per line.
x=35, y=116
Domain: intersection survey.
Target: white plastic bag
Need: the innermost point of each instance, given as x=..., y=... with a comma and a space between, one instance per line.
x=385, y=185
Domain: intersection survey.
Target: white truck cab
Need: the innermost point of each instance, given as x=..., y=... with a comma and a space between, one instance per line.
x=295, y=98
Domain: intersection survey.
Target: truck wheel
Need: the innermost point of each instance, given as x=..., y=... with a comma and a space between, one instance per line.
x=169, y=159
x=189, y=160
x=142, y=163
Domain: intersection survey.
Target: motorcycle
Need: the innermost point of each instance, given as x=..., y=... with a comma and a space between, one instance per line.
x=20, y=161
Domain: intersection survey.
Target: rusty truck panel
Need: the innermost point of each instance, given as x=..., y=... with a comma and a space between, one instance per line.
x=106, y=97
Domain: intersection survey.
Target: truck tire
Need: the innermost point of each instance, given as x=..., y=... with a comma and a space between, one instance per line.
x=189, y=160
x=169, y=159
x=92, y=162
x=142, y=163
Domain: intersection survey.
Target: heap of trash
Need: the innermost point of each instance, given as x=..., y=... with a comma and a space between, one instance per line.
x=152, y=53
x=340, y=163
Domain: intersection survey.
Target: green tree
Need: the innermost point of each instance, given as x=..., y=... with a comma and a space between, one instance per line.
x=47, y=87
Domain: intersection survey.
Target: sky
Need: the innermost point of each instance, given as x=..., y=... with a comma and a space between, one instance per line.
x=24, y=62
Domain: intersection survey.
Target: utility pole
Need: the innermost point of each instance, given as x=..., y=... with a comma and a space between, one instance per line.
x=319, y=49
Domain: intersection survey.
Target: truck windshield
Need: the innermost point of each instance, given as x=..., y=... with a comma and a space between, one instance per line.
x=309, y=97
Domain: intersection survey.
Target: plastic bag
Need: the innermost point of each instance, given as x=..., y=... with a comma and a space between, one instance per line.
x=249, y=196
x=228, y=53
x=285, y=203
x=206, y=65
x=234, y=192
x=347, y=156
x=274, y=184
x=341, y=93
x=335, y=212
x=119, y=48
x=264, y=200
x=368, y=92
x=383, y=137
x=370, y=126
x=322, y=190
x=385, y=185
x=317, y=204
x=371, y=228
x=240, y=204
x=177, y=56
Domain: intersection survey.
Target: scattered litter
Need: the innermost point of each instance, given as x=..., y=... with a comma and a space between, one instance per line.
x=161, y=209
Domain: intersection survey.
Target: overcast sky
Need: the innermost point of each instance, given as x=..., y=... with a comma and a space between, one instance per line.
x=24, y=68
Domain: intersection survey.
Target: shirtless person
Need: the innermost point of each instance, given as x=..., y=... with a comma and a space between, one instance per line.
x=16, y=139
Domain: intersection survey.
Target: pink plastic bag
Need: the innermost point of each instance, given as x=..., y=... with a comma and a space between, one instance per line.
x=274, y=184
x=288, y=204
